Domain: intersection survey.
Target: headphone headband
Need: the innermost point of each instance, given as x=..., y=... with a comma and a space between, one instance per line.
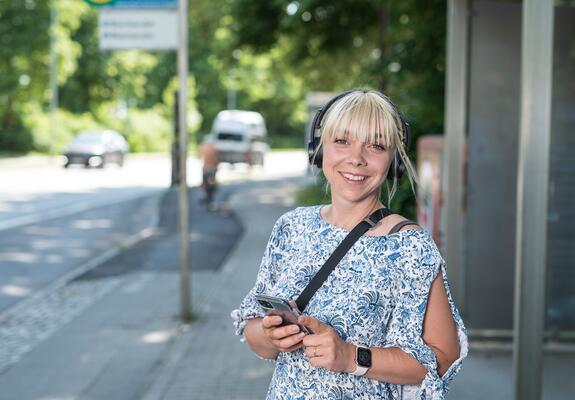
x=315, y=154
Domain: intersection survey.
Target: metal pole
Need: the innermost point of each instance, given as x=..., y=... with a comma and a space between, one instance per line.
x=532, y=192
x=455, y=127
x=185, y=296
x=175, y=153
x=232, y=90
x=53, y=76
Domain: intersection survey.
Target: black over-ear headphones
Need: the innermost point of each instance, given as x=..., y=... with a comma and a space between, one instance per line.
x=315, y=154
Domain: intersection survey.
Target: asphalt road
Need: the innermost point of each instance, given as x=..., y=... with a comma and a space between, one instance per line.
x=57, y=224
x=35, y=255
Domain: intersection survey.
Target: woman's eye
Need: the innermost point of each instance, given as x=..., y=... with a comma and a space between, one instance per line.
x=377, y=147
x=340, y=141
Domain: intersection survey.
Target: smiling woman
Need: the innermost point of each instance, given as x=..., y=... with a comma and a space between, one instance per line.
x=385, y=313
x=370, y=118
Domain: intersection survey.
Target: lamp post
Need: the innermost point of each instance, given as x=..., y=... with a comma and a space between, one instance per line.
x=185, y=295
x=232, y=95
x=53, y=76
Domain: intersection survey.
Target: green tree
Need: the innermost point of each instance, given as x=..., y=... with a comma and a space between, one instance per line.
x=25, y=58
x=397, y=46
x=22, y=58
x=270, y=53
x=262, y=81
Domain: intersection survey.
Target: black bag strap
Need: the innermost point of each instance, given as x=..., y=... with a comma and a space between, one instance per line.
x=397, y=227
x=338, y=254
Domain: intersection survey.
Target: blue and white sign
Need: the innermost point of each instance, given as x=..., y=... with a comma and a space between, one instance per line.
x=144, y=4
x=144, y=29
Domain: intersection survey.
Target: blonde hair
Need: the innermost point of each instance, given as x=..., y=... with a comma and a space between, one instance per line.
x=370, y=117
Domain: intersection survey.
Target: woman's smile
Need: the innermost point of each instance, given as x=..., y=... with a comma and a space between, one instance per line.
x=354, y=179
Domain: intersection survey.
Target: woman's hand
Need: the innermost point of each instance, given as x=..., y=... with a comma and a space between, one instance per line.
x=283, y=338
x=325, y=348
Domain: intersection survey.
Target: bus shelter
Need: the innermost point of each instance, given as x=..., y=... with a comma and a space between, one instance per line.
x=508, y=175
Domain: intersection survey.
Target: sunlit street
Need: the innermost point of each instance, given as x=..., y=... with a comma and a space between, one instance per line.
x=54, y=221
x=36, y=193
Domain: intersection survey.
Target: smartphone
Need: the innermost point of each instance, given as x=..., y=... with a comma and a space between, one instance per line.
x=278, y=306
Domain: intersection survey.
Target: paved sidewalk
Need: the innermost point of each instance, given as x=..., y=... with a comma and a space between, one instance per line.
x=209, y=362
x=120, y=338
x=127, y=343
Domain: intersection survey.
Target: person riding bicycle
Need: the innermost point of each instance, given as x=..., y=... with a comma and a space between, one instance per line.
x=211, y=158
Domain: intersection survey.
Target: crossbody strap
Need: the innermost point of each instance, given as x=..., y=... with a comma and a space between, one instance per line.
x=338, y=254
x=398, y=226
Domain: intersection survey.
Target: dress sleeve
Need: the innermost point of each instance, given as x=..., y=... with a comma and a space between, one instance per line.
x=421, y=263
x=273, y=257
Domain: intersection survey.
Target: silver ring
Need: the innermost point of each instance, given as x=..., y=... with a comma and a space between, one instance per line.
x=315, y=351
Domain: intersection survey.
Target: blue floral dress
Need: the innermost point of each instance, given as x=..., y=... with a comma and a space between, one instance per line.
x=376, y=297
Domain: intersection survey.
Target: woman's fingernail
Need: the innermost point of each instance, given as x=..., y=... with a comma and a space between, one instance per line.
x=295, y=328
x=301, y=334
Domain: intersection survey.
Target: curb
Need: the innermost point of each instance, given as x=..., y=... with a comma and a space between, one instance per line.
x=91, y=264
x=19, y=323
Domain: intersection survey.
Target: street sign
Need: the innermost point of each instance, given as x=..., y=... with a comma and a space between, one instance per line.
x=135, y=3
x=100, y=3
x=144, y=29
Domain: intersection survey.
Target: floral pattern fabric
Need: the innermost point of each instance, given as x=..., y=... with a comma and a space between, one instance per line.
x=375, y=297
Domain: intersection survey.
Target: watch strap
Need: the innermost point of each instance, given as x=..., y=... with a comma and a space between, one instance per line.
x=359, y=371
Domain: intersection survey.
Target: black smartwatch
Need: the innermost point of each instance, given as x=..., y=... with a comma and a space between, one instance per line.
x=362, y=360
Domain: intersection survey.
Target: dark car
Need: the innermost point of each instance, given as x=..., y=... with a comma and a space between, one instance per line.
x=96, y=149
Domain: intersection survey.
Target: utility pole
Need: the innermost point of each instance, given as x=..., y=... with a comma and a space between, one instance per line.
x=185, y=296
x=455, y=127
x=175, y=153
x=532, y=196
x=232, y=93
x=53, y=76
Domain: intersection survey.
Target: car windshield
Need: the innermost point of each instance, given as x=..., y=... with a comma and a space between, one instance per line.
x=230, y=136
x=89, y=138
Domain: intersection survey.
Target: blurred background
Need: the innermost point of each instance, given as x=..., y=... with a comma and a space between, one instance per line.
x=89, y=172
x=232, y=45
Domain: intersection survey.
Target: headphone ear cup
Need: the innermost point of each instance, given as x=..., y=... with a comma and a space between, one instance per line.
x=314, y=141
x=311, y=152
x=318, y=159
x=396, y=169
x=315, y=153
x=391, y=172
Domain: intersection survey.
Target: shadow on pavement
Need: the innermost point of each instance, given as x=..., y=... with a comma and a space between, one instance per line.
x=212, y=237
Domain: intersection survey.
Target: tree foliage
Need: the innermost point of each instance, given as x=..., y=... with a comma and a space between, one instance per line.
x=397, y=46
x=270, y=53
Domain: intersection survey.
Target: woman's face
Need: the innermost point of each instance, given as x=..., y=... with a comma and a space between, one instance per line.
x=355, y=170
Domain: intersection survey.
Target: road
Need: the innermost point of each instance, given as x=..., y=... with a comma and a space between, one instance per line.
x=56, y=223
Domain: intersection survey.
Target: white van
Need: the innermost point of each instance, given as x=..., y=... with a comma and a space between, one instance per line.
x=240, y=136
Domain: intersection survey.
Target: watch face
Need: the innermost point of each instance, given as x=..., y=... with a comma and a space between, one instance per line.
x=364, y=357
